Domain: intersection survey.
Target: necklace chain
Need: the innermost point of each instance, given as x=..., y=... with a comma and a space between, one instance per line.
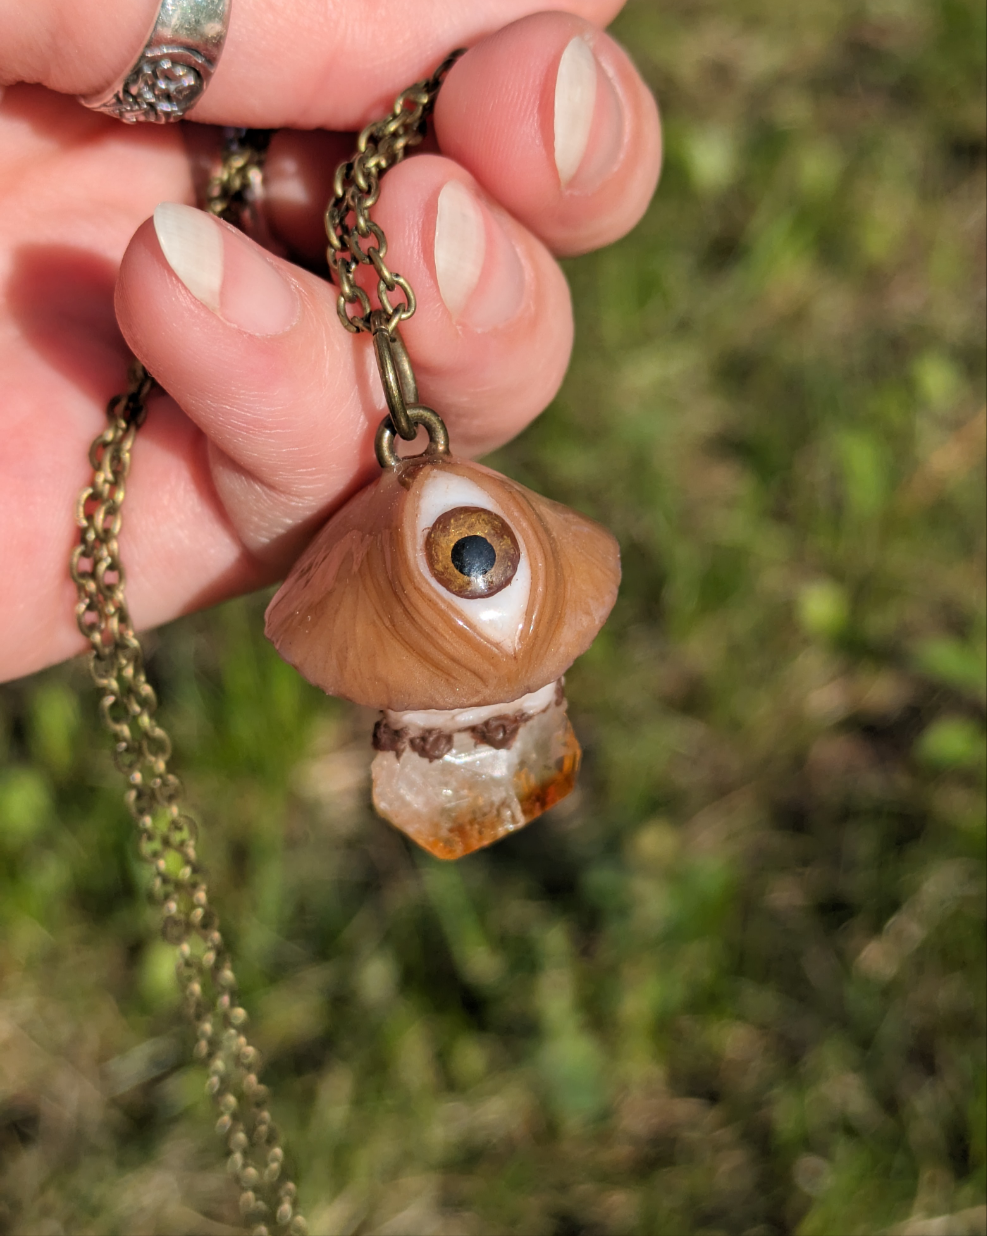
x=168, y=834
x=356, y=189
x=128, y=704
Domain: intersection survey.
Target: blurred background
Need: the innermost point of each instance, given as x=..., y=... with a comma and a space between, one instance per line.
x=736, y=983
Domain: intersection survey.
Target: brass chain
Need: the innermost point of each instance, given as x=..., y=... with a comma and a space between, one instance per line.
x=238, y=178
x=356, y=189
x=128, y=704
x=168, y=834
x=236, y=191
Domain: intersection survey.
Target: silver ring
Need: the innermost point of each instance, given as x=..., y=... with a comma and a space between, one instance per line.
x=179, y=57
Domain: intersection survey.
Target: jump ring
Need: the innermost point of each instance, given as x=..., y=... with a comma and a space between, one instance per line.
x=438, y=436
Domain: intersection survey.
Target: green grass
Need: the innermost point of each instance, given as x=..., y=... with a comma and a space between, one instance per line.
x=736, y=983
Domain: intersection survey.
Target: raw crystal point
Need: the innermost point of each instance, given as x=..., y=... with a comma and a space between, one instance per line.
x=458, y=781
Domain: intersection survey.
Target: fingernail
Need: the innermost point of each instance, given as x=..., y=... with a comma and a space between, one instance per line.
x=223, y=270
x=460, y=245
x=479, y=273
x=575, y=98
x=588, y=119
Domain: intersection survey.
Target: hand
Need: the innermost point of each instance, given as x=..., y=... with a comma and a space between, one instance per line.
x=272, y=406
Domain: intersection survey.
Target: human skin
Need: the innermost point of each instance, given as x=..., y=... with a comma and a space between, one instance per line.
x=271, y=409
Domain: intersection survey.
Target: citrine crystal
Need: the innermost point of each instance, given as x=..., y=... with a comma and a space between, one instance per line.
x=475, y=793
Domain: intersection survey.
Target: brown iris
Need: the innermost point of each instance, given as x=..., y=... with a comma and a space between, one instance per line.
x=472, y=552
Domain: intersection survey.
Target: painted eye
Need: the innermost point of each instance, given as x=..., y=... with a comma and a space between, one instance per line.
x=472, y=552
x=472, y=558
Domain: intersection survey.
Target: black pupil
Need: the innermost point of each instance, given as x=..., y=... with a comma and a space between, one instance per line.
x=473, y=556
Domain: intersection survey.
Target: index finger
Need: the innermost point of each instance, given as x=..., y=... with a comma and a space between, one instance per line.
x=313, y=64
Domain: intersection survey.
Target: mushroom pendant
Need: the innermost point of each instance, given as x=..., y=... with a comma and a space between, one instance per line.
x=453, y=600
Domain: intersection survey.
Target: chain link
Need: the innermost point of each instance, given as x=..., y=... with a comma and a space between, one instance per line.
x=238, y=182
x=355, y=191
x=128, y=704
x=235, y=192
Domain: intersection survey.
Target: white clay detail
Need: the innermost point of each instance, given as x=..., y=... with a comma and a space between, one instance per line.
x=452, y=720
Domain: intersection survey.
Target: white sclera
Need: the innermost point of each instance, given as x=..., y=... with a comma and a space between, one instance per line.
x=498, y=618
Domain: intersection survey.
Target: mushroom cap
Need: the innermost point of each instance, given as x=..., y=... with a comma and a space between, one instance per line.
x=362, y=615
